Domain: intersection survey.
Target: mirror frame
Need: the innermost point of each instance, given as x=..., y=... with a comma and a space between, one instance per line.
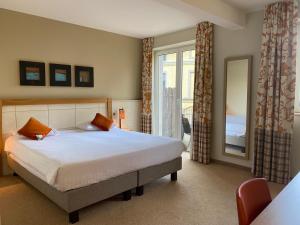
x=248, y=116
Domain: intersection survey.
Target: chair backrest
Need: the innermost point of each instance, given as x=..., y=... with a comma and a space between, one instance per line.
x=186, y=126
x=252, y=197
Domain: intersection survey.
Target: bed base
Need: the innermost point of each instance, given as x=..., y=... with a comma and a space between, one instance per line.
x=152, y=173
x=73, y=200
x=139, y=191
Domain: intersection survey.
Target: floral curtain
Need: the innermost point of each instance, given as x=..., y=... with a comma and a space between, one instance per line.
x=276, y=92
x=147, y=85
x=202, y=110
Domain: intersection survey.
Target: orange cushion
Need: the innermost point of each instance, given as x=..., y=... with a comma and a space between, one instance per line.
x=34, y=127
x=102, y=122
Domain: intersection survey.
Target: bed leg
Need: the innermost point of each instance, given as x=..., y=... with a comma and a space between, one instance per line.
x=73, y=217
x=139, y=191
x=174, y=176
x=127, y=195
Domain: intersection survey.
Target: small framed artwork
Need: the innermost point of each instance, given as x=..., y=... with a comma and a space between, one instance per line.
x=60, y=75
x=84, y=76
x=32, y=73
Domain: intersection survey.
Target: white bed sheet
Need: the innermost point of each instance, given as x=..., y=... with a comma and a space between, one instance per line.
x=74, y=159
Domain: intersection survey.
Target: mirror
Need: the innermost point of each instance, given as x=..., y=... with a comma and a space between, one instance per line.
x=237, y=106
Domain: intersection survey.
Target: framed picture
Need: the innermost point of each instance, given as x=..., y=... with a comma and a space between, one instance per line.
x=84, y=76
x=60, y=75
x=32, y=73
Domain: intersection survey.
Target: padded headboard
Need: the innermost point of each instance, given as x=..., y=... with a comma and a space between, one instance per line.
x=56, y=113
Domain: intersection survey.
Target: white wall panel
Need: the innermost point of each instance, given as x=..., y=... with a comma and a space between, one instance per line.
x=85, y=115
x=132, y=111
x=62, y=118
x=9, y=123
x=25, y=108
x=23, y=117
x=61, y=106
x=102, y=109
x=8, y=108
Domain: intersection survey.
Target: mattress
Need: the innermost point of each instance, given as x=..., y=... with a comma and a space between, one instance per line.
x=74, y=159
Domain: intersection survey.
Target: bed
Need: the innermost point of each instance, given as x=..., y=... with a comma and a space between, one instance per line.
x=235, y=130
x=78, y=168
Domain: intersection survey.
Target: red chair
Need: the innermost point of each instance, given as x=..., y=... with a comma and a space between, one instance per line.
x=252, y=197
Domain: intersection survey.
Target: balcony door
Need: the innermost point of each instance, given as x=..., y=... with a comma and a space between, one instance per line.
x=173, y=92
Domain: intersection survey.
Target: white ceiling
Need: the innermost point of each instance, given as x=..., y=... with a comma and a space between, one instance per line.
x=136, y=18
x=249, y=5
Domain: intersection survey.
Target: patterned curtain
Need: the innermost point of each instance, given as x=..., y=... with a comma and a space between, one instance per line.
x=147, y=85
x=202, y=110
x=276, y=92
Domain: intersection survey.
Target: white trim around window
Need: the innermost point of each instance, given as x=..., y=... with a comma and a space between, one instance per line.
x=179, y=49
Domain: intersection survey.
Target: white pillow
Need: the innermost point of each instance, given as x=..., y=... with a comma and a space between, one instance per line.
x=87, y=127
x=53, y=132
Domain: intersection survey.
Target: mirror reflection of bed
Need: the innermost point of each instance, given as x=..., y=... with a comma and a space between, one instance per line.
x=235, y=135
x=237, y=95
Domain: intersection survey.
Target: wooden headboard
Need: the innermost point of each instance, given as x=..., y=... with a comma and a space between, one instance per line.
x=106, y=102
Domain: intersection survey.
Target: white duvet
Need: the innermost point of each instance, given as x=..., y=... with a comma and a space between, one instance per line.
x=74, y=159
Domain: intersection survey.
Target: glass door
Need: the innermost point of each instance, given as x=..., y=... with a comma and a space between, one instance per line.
x=167, y=95
x=173, y=93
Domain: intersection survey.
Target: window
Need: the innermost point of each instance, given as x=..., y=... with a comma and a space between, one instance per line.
x=188, y=85
x=165, y=80
x=173, y=90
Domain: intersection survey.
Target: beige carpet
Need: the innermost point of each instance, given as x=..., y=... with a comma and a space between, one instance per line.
x=202, y=195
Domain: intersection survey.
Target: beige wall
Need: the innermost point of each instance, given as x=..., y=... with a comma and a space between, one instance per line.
x=116, y=59
x=229, y=43
x=236, y=43
x=174, y=38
